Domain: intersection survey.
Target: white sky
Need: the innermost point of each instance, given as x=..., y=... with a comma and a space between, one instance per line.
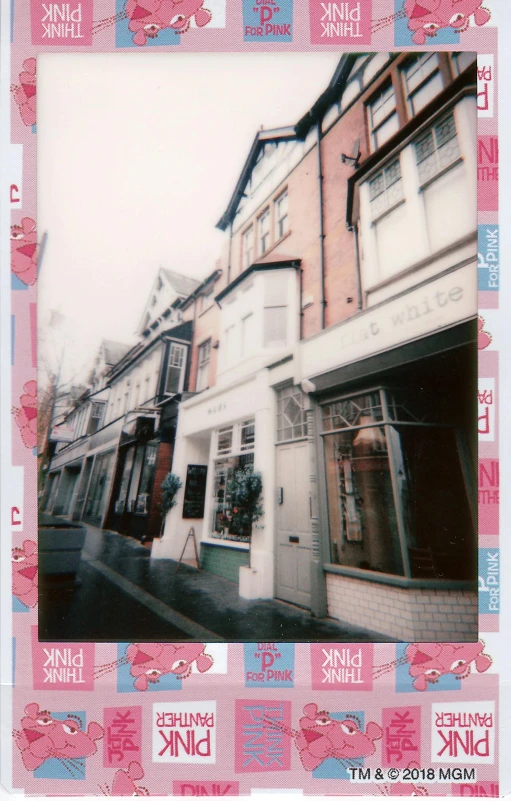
x=138, y=155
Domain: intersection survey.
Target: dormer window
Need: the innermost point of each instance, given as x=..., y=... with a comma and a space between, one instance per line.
x=264, y=231
x=175, y=370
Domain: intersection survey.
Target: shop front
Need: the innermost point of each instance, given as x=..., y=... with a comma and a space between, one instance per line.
x=396, y=445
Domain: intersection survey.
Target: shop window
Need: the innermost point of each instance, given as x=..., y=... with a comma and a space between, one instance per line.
x=100, y=483
x=203, y=366
x=291, y=415
x=383, y=118
x=396, y=488
x=423, y=81
x=239, y=440
x=281, y=215
x=146, y=479
x=247, y=248
x=437, y=149
x=175, y=370
x=386, y=189
x=264, y=231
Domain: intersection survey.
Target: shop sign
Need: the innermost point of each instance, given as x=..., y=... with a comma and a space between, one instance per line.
x=195, y=491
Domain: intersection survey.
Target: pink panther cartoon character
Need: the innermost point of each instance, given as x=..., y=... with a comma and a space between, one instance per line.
x=427, y=17
x=149, y=661
x=483, y=337
x=42, y=737
x=24, y=573
x=26, y=415
x=24, y=251
x=124, y=781
x=321, y=737
x=149, y=17
x=429, y=661
x=25, y=94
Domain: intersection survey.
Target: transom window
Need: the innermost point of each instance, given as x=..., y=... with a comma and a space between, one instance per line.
x=247, y=256
x=175, y=370
x=264, y=231
x=383, y=118
x=386, y=189
x=203, y=366
x=281, y=215
x=423, y=80
x=437, y=149
x=291, y=415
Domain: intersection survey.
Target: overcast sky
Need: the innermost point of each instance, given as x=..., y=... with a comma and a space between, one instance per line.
x=138, y=155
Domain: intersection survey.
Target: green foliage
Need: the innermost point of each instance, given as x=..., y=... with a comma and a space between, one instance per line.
x=245, y=489
x=170, y=486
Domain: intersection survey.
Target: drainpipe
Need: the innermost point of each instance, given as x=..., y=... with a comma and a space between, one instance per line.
x=321, y=227
x=301, y=301
x=354, y=228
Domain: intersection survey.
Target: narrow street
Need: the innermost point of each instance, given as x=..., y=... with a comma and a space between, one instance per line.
x=126, y=596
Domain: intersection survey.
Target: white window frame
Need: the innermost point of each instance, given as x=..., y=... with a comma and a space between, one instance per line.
x=247, y=247
x=264, y=231
x=433, y=133
x=381, y=98
x=387, y=183
x=176, y=348
x=203, y=362
x=281, y=220
x=412, y=67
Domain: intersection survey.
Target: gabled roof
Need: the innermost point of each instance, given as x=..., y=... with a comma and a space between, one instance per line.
x=113, y=351
x=261, y=138
x=183, y=284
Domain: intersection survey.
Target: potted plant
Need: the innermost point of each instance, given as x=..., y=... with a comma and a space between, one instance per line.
x=246, y=494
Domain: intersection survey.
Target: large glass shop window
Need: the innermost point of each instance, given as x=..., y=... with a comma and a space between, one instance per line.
x=235, y=446
x=397, y=495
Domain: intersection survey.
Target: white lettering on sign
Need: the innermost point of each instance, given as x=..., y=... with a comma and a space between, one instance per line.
x=427, y=309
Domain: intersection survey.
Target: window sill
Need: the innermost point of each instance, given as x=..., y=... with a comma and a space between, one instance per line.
x=400, y=581
x=232, y=544
x=439, y=174
x=275, y=245
x=387, y=212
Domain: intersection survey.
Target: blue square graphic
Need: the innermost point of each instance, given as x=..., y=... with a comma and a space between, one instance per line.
x=333, y=768
x=488, y=248
x=489, y=581
x=126, y=682
x=268, y=20
x=276, y=667
x=404, y=682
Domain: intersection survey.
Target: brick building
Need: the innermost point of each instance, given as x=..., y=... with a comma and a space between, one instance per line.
x=341, y=359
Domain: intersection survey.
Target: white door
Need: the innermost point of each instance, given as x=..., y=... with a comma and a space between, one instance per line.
x=294, y=540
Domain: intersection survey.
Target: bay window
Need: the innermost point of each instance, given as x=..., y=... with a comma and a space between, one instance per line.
x=398, y=502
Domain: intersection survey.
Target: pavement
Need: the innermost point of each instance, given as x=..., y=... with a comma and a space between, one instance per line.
x=122, y=595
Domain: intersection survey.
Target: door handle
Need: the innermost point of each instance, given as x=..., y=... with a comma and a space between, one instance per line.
x=294, y=539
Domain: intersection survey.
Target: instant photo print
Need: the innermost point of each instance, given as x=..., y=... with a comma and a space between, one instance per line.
x=253, y=327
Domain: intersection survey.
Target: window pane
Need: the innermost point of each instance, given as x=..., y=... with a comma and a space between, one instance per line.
x=225, y=440
x=275, y=326
x=385, y=131
x=362, y=520
x=275, y=289
x=416, y=72
x=427, y=92
x=382, y=106
x=440, y=531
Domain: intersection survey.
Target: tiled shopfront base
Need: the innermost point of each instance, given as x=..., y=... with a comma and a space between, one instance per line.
x=409, y=615
x=224, y=562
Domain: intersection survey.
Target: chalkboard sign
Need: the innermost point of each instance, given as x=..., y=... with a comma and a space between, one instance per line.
x=195, y=491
